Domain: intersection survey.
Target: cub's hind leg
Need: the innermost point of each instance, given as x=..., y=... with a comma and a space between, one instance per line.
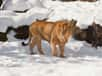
x=32, y=45
x=39, y=45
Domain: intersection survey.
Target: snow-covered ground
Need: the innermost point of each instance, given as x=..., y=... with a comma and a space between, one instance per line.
x=16, y=61
x=81, y=59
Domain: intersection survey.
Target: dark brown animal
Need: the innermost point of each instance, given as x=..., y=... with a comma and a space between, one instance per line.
x=1, y=2
x=22, y=32
x=92, y=34
x=98, y=34
x=3, y=35
x=56, y=33
x=85, y=34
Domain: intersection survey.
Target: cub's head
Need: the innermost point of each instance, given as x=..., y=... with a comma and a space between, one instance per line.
x=69, y=26
x=72, y=25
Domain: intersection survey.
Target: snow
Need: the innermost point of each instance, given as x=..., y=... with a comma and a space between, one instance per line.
x=15, y=60
x=7, y=13
x=81, y=59
x=20, y=5
x=9, y=18
x=84, y=13
x=5, y=22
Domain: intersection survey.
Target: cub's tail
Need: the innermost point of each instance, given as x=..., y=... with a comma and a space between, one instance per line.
x=25, y=44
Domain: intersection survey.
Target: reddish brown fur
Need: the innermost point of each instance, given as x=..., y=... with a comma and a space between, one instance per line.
x=56, y=33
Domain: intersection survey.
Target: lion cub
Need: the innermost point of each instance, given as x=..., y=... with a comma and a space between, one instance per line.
x=56, y=33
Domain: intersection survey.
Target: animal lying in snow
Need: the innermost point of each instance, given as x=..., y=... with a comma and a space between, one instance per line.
x=3, y=37
x=98, y=34
x=21, y=32
x=56, y=33
x=92, y=34
x=1, y=2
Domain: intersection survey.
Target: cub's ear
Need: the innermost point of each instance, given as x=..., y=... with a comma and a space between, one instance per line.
x=73, y=22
